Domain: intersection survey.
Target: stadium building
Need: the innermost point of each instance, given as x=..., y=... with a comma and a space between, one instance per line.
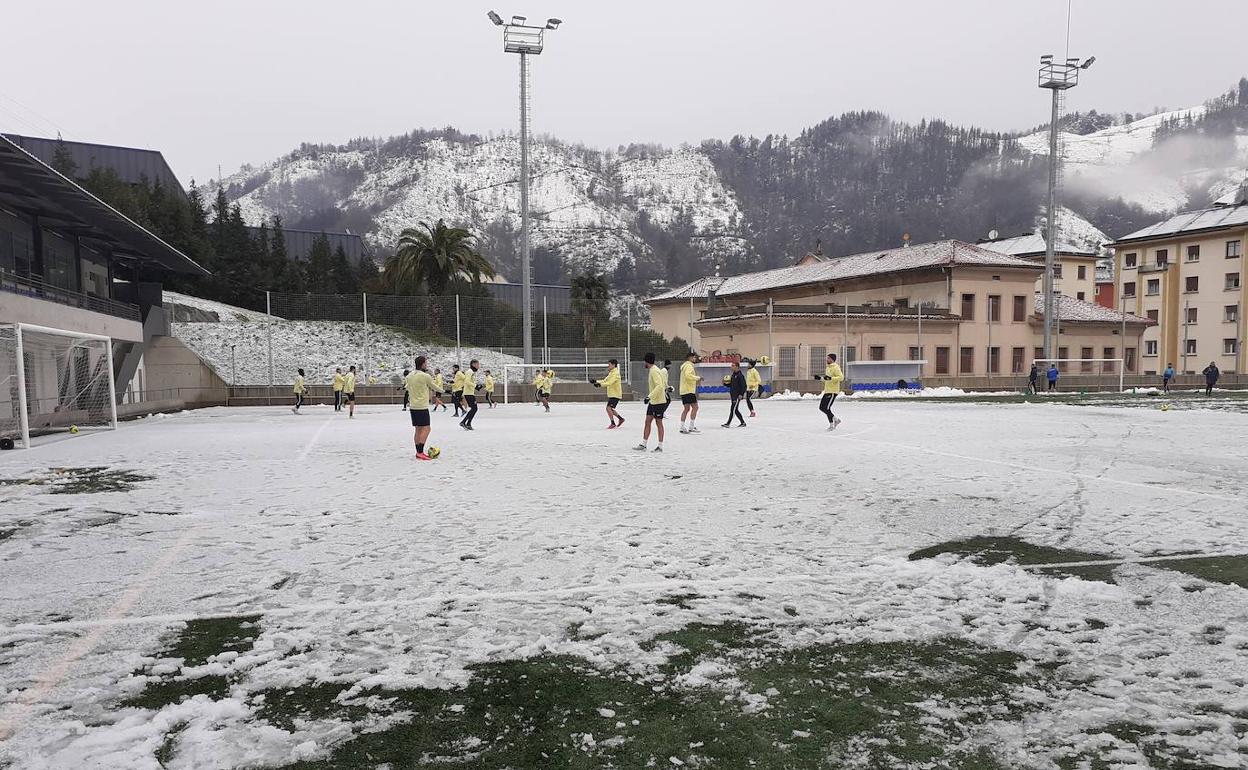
x=70, y=262
x=1186, y=274
x=969, y=314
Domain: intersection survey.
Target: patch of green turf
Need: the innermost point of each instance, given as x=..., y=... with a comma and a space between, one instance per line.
x=77, y=481
x=1161, y=755
x=1232, y=570
x=165, y=752
x=814, y=707
x=996, y=550
x=678, y=600
x=195, y=644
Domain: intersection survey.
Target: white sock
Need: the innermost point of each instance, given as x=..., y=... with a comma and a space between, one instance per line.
x=682, y=424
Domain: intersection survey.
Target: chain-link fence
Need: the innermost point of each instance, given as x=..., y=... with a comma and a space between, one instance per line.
x=380, y=334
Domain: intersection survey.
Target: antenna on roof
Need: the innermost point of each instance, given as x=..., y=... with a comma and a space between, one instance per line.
x=993, y=235
x=818, y=247
x=905, y=240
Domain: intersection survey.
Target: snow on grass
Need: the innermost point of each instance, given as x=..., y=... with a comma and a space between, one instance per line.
x=296, y=591
x=223, y=312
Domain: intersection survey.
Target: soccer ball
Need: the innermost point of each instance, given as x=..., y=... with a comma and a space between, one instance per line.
x=372, y=380
x=433, y=452
x=1165, y=407
x=73, y=429
x=727, y=379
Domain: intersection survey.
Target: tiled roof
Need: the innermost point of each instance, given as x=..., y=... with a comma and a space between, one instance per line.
x=1192, y=221
x=918, y=257
x=1033, y=244
x=778, y=313
x=1072, y=309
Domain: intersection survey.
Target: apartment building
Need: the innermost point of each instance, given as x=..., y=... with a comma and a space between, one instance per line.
x=964, y=310
x=1074, y=267
x=1186, y=274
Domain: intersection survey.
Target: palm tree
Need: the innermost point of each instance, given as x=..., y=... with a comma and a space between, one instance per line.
x=433, y=256
x=590, y=294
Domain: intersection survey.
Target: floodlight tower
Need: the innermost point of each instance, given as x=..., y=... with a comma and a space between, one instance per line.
x=1057, y=77
x=524, y=39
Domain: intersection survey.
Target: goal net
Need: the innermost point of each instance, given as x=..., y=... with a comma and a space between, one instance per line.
x=518, y=378
x=54, y=381
x=1074, y=367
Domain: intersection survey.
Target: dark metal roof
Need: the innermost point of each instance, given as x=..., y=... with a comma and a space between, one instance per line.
x=131, y=164
x=31, y=186
x=299, y=242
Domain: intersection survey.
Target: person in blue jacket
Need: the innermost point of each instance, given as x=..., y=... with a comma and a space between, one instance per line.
x=1051, y=375
x=1166, y=376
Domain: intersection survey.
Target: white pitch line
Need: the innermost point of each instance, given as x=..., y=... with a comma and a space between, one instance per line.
x=315, y=438
x=1136, y=560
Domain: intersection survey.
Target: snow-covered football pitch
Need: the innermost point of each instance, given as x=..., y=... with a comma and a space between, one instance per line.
x=934, y=584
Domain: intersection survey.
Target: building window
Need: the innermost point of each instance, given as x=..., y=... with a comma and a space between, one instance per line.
x=1108, y=366
x=851, y=354
x=1020, y=308
x=902, y=302
x=877, y=352
x=1129, y=261
x=916, y=353
x=966, y=361
x=1162, y=256
x=1083, y=272
x=1085, y=366
x=1063, y=354
x=1128, y=355
x=994, y=308
x=1230, y=313
x=1153, y=287
x=1154, y=315
x=1150, y=347
x=58, y=267
x=1190, y=347
x=942, y=360
x=1232, y=281
x=1018, y=357
x=1128, y=289
x=1039, y=354
x=786, y=363
x=1233, y=249
x=1230, y=347
x=994, y=360
x=818, y=358
x=1079, y=295
x=1190, y=314
x=1057, y=269
x=1193, y=253
x=1191, y=284
x=968, y=307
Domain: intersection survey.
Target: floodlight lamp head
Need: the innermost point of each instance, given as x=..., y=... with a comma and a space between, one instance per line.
x=519, y=19
x=1048, y=57
x=1088, y=63
x=553, y=23
x=494, y=17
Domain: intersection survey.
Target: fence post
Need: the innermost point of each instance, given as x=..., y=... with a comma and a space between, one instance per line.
x=545, y=333
x=628, y=340
x=367, y=346
x=458, y=355
x=268, y=311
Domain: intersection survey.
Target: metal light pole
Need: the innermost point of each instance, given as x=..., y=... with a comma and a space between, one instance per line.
x=524, y=39
x=1057, y=77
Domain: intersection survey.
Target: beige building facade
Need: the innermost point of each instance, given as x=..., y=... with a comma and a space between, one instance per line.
x=1187, y=275
x=963, y=310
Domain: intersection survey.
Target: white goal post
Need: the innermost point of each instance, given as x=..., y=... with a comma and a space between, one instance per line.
x=1119, y=368
x=54, y=380
x=523, y=375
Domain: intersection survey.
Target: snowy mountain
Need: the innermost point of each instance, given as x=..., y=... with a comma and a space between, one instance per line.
x=591, y=209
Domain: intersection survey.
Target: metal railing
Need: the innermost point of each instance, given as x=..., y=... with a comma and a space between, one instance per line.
x=30, y=286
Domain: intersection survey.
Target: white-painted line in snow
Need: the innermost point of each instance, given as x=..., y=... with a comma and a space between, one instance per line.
x=19, y=710
x=1137, y=560
x=1055, y=471
x=315, y=438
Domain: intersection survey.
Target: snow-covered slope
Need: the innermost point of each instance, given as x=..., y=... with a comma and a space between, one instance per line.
x=1126, y=161
x=587, y=205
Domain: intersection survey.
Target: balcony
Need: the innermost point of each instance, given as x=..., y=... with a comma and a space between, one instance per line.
x=33, y=287
x=1155, y=268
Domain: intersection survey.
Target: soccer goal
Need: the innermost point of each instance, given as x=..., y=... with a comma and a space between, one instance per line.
x=1085, y=366
x=53, y=381
x=518, y=378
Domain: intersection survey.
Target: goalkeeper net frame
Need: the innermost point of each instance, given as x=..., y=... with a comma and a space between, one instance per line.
x=1094, y=367
x=524, y=380
x=54, y=381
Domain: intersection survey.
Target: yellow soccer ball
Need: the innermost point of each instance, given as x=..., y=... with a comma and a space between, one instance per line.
x=73, y=429
x=433, y=452
x=1165, y=407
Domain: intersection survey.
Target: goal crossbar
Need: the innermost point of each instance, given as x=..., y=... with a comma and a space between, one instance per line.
x=584, y=369
x=1120, y=366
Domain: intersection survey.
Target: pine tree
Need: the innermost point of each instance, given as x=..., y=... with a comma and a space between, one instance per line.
x=320, y=269
x=344, y=277
x=62, y=160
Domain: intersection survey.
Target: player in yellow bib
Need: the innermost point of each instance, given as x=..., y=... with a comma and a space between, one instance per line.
x=753, y=386
x=689, y=380
x=339, y=380
x=300, y=390
x=832, y=379
x=656, y=402
x=348, y=390
x=487, y=389
x=439, y=387
x=420, y=388
x=615, y=391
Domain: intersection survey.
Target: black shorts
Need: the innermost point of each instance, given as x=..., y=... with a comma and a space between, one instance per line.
x=350, y=396
x=458, y=395
x=688, y=398
x=420, y=417
x=656, y=410
x=543, y=394
x=613, y=402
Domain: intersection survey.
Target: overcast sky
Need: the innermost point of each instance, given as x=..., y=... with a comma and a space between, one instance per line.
x=231, y=81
